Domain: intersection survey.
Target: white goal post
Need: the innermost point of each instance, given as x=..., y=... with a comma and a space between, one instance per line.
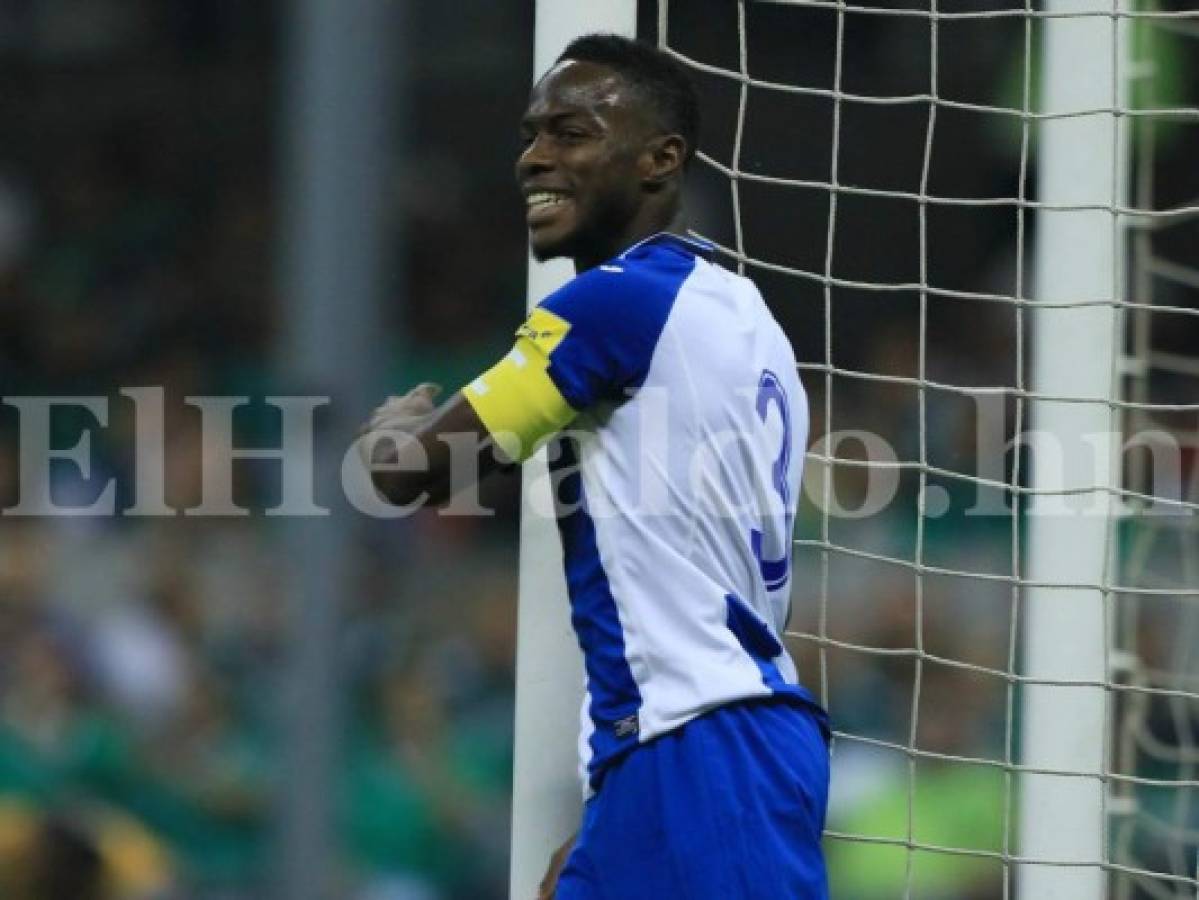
x=1080, y=258
x=546, y=793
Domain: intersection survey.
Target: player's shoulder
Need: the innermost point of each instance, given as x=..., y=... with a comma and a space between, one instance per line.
x=657, y=264
x=637, y=287
x=614, y=280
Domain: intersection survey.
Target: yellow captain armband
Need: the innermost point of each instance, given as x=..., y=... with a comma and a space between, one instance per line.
x=516, y=399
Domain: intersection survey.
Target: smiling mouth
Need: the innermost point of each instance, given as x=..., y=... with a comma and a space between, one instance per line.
x=540, y=206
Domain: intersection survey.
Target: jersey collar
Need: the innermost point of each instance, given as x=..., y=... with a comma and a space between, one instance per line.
x=692, y=245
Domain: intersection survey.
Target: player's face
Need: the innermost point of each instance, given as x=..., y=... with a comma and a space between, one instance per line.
x=583, y=164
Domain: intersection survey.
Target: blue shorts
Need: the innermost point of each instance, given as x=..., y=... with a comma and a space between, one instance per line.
x=730, y=806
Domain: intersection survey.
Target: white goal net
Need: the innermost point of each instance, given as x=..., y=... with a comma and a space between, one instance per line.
x=891, y=173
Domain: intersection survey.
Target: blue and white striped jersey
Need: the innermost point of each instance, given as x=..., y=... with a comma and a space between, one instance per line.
x=676, y=485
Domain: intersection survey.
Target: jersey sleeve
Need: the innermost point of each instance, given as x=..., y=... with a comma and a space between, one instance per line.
x=516, y=400
x=614, y=319
x=591, y=341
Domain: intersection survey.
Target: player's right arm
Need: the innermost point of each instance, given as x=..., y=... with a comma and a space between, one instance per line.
x=505, y=414
x=517, y=400
x=589, y=342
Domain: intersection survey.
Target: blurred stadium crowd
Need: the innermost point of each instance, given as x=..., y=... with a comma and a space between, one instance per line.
x=140, y=658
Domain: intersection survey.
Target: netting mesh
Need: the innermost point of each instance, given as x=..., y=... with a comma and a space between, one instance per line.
x=873, y=168
x=1154, y=822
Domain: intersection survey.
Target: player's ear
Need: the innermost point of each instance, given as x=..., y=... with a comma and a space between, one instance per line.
x=664, y=158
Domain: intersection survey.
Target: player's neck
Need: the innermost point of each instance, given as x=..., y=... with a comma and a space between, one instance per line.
x=639, y=230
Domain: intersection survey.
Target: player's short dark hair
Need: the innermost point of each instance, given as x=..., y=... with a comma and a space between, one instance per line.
x=659, y=79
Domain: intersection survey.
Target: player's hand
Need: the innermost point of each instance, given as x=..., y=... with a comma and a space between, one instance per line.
x=549, y=883
x=403, y=414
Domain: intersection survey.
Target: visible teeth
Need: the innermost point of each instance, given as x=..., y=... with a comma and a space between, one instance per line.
x=543, y=198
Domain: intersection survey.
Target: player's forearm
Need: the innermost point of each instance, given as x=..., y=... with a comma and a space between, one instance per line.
x=405, y=488
x=430, y=460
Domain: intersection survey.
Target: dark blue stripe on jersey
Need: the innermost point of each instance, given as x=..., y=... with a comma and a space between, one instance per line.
x=616, y=314
x=775, y=572
x=615, y=696
x=763, y=647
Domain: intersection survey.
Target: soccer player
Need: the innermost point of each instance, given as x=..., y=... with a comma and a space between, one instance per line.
x=704, y=763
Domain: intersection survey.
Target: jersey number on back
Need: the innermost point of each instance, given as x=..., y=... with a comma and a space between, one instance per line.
x=775, y=572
